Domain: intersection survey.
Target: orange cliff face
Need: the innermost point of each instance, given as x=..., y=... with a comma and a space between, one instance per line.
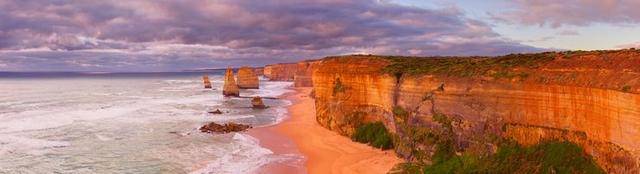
x=230, y=87
x=259, y=71
x=590, y=99
x=304, y=71
x=247, y=79
x=349, y=91
x=280, y=72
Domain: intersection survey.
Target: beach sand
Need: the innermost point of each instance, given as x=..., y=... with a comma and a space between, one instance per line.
x=325, y=151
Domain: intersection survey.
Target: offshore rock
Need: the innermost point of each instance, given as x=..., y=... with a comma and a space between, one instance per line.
x=217, y=111
x=226, y=128
x=257, y=103
x=205, y=80
x=247, y=79
x=230, y=87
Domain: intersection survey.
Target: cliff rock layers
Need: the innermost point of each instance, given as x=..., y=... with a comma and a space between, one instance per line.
x=280, y=72
x=304, y=71
x=230, y=87
x=589, y=98
x=247, y=78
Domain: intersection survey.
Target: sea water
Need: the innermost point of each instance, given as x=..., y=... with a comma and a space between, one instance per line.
x=130, y=123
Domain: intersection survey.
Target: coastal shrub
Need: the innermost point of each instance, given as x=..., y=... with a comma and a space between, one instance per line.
x=544, y=157
x=550, y=156
x=626, y=88
x=374, y=134
x=464, y=66
x=338, y=87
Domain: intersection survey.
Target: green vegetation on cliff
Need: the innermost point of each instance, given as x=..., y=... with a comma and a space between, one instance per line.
x=545, y=157
x=434, y=150
x=374, y=134
x=465, y=66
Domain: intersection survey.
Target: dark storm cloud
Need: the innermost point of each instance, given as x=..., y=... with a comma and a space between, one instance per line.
x=165, y=35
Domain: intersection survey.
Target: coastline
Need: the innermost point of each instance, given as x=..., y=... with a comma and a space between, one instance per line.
x=324, y=151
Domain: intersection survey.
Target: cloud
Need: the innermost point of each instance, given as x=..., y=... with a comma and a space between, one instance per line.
x=570, y=12
x=568, y=33
x=630, y=45
x=170, y=35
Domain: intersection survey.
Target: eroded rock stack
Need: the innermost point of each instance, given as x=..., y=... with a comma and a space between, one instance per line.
x=205, y=80
x=247, y=78
x=230, y=87
x=226, y=128
x=257, y=103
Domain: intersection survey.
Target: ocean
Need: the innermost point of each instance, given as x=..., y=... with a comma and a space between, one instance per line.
x=130, y=123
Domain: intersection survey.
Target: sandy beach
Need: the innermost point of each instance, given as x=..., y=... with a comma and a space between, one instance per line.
x=325, y=151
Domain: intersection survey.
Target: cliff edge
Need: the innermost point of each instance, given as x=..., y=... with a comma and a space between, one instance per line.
x=588, y=98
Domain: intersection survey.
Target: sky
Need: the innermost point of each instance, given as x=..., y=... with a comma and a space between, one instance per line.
x=176, y=35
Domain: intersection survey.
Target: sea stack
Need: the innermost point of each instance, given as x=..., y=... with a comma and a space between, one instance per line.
x=207, y=83
x=230, y=87
x=247, y=78
x=257, y=103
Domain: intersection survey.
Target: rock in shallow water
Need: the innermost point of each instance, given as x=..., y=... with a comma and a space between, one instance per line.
x=257, y=103
x=226, y=128
x=230, y=88
x=217, y=111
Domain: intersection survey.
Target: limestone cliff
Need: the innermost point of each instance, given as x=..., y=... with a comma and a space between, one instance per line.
x=589, y=98
x=230, y=87
x=259, y=71
x=247, y=78
x=280, y=72
x=304, y=71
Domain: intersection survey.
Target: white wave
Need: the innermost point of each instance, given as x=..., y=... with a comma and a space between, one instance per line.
x=245, y=156
x=180, y=81
x=11, y=144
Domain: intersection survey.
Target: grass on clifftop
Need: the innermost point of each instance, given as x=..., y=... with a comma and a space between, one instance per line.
x=463, y=66
x=374, y=134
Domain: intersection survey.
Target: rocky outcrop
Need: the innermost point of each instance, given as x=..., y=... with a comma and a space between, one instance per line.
x=259, y=71
x=257, y=103
x=280, y=72
x=247, y=78
x=205, y=80
x=589, y=98
x=217, y=111
x=226, y=128
x=304, y=71
x=230, y=87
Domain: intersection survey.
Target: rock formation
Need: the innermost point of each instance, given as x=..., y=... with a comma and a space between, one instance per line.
x=304, y=71
x=217, y=111
x=247, y=78
x=281, y=72
x=257, y=103
x=226, y=128
x=259, y=71
x=230, y=87
x=589, y=98
x=205, y=80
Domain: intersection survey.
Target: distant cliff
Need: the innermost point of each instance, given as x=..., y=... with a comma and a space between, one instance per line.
x=589, y=98
x=304, y=71
x=280, y=72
